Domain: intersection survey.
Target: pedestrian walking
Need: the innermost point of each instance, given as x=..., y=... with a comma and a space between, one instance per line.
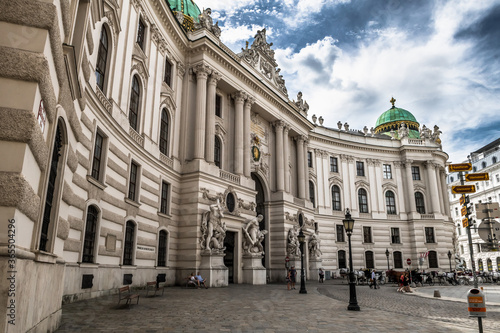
x=321, y=275
x=293, y=274
x=374, y=279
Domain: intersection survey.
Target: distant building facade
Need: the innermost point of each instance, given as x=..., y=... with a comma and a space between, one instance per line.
x=485, y=159
x=136, y=147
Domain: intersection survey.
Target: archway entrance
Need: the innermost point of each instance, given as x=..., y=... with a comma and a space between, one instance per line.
x=229, y=257
x=260, y=209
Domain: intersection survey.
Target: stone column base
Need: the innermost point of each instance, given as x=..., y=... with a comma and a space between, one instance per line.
x=212, y=269
x=314, y=266
x=253, y=271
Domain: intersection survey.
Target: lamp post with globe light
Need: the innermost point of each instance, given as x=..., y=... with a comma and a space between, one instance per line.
x=349, y=226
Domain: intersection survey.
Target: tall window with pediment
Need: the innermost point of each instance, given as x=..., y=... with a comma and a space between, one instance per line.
x=102, y=57
x=336, y=204
x=390, y=202
x=419, y=202
x=217, y=151
x=164, y=132
x=135, y=96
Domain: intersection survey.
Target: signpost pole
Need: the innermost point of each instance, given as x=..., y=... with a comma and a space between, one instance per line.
x=471, y=251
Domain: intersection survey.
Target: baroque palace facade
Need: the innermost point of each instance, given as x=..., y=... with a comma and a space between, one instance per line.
x=136, y=146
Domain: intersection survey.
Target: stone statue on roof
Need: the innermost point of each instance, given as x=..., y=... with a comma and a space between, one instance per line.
x=403, y=131
x=205, y=21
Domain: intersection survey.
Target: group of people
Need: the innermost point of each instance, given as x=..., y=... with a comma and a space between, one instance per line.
x=196, y=280
x=404, y=283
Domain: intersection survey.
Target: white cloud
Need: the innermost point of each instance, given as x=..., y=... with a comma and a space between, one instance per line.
x=235, y=36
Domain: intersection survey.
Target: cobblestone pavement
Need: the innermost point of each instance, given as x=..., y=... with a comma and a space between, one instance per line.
x=272, y=308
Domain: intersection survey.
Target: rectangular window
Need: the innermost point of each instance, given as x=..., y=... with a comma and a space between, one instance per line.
x=340, y=233
x=97, y=159
x=398, y=259
x=218, y=106
x=387, y=171
x=342, y=259
x=497, y=176
x=168, y=73
x=456, y=212
x=462, y=249
x=395, y=239
x=360, y=168
x=132, y=184
x=415, y=172
x=429, y=235
x=141, y=34
x=367, y=234
x=164, y=198
x=309, y=159
x=334, y=164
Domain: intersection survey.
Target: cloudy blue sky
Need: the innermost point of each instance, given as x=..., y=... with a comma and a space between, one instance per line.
x=439, y=59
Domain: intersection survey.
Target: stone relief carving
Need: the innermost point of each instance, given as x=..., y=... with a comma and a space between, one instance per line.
x=314, y=245
x=261, y=57
x=213, y=230
x=246, y=206
x=253, y=236
x=212, y=197
x=206, y=22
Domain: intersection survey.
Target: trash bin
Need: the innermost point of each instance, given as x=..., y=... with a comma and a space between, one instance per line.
x=328, y=275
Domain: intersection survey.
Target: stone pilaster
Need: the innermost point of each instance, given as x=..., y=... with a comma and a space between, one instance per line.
x=409, y=187
x=286, y=157
x=431, y=175
x=280, y=183
x=239, y=99
x=300, y=167
x=246, y=137
x=306, y=168
x=210, y=127
x=202, y=72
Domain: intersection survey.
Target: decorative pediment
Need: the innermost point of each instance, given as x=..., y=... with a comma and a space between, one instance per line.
x=139, y=65
x=169, y=103
x=261, y=57
x=312, y=175
x=419, y=187
x=362, y=183
x=335, y=180
x=389, y=186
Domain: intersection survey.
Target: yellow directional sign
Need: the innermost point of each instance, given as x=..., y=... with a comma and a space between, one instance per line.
x=464, y=211
x=462, y=199
x=473, y=177
x=459, y=189
x=459, y=167
x=465, y=222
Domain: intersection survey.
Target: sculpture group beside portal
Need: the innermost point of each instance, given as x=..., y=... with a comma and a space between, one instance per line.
x=253, y=236
x=314, y=245
x=293, y=245
x=213, y=230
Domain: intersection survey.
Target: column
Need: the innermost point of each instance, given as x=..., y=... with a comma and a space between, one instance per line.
x=239, y=99
x=399, y=180
x=441, y=194
x=431, y=175
x=181, y=70
x=202, y=72
x=286, y=158
x=210, y=127
x=409, y=187
x=380, y=191
x=351, y=170
x=374, y=186
x=300, y=166
x=246, y=136
x=344, y=171
x=278, y=127
x=444, y=190
x=306, y=169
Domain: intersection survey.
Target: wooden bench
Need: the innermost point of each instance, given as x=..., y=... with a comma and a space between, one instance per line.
x=124, y=294
x=152, y=287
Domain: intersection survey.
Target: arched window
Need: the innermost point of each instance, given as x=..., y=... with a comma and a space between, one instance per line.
x=102, y=57
x=162, y=249
x=483, y=165
x=164, y=132
x=419, y=202
x=489, y=264
x=390, y=202
x=494, y=159
x=312, y=194
x=433, y=260
x=90, y=235
x=480, y=265
x=369, y=259
x=398, y=259
x=474, y=169
x=217, y=151
x=135, y=96
x=128, y=249
x=363, y=201
x=53, y=187
x=336, y=198
x=452, y=179
x=342, y=259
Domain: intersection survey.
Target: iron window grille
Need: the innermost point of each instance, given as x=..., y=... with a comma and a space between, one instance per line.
x=129, y=243
x=162, y=249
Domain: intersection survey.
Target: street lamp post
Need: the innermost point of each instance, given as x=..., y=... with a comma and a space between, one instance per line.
x=449, y=258
x=387, y=255
x=302, y=239
x=349, y=226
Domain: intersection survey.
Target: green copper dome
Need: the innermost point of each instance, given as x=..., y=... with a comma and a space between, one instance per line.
x=392, y=119
x=189, y=9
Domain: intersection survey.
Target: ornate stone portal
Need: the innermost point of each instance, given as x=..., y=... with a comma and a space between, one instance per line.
x=213, y=232
x=253, y=271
